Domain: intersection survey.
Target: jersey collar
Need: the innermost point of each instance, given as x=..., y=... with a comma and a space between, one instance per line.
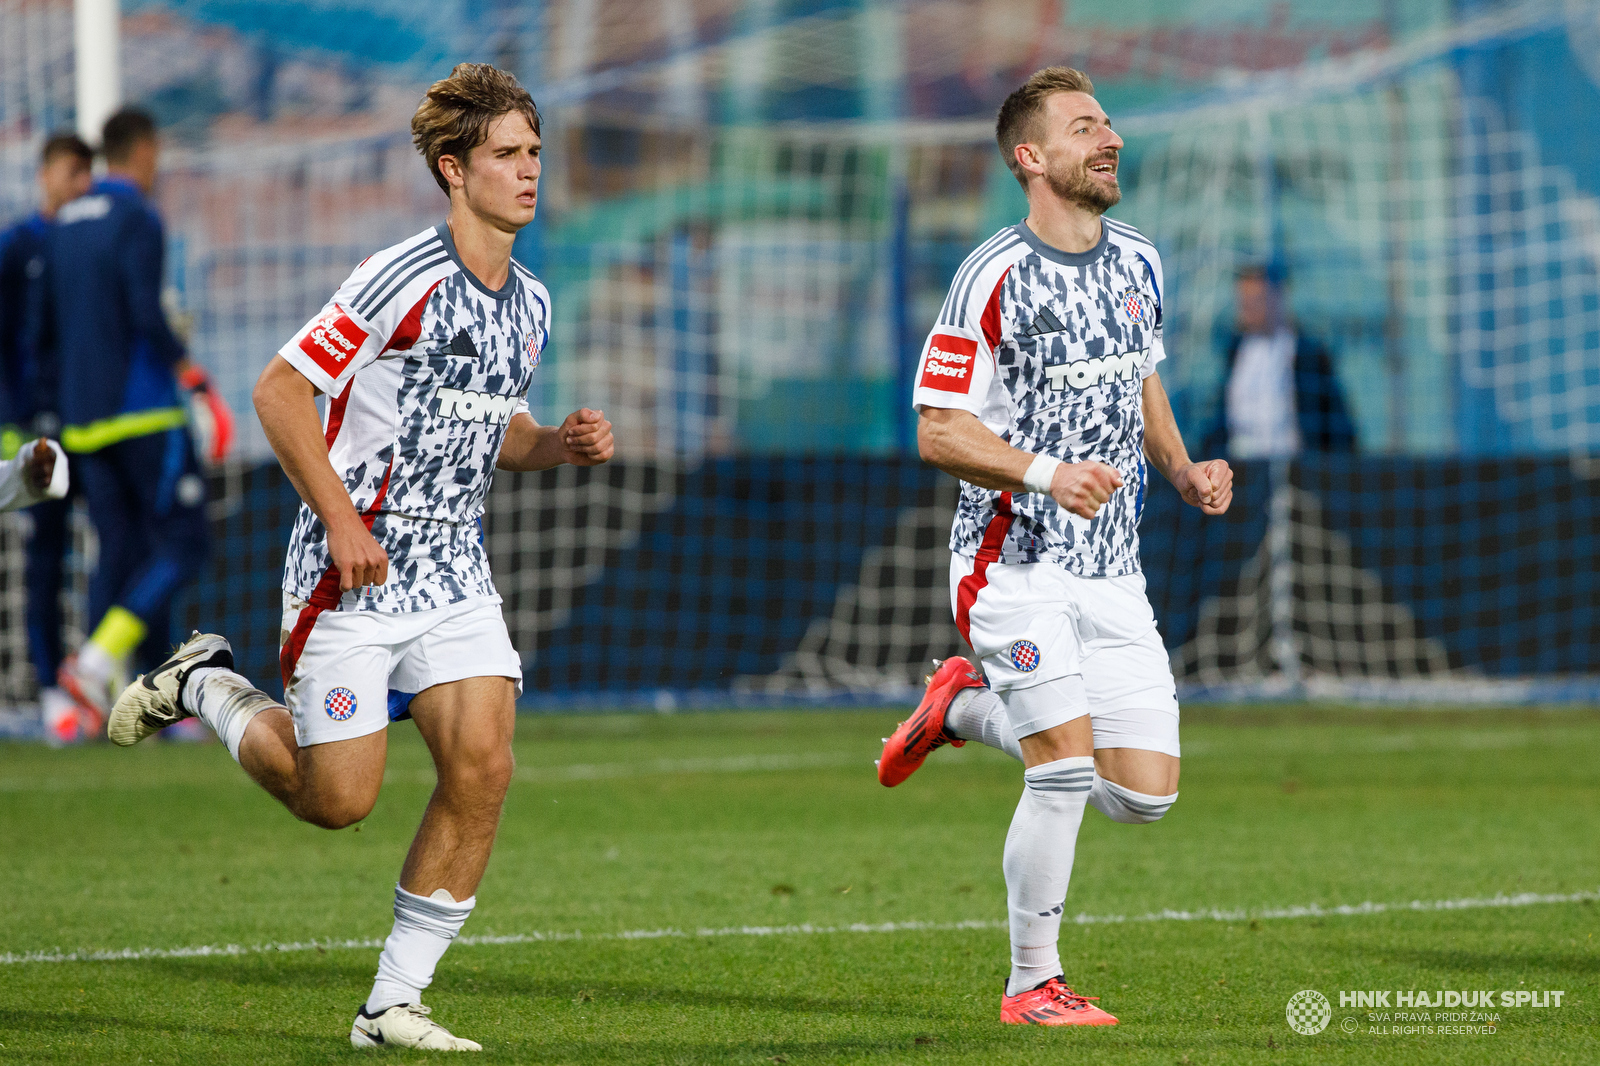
x=505, y=292
x=117, y=183
x=1056, y=255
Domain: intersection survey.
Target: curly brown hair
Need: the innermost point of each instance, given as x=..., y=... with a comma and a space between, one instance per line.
x=455, y=116
x=1017, y=122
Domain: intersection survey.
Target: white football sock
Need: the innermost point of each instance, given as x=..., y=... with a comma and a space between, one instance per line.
x=1038, y=865
x=55, y=706
x=423, y=929
x=1125, y=805
x=978, y=714
x=97, y=664
x=226, y=701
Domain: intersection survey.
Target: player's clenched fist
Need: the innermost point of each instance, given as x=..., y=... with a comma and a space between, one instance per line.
x=586, y=437
x=1083, y=488
x=357, y=556
x=1207, y=485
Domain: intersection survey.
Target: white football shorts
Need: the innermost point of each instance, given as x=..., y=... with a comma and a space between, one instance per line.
x=1034, y=624
x=356, y=671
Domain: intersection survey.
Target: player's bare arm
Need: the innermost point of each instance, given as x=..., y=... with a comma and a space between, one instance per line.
x=957, y=443
x=582, y=439
x=287, y=405
x=1207, y=484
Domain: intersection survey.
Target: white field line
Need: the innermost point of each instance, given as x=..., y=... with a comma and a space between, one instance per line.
x=1522, y=899
x=530, y=775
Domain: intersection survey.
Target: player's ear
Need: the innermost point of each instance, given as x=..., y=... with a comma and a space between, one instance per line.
x=453, y=170
x=1028, y=158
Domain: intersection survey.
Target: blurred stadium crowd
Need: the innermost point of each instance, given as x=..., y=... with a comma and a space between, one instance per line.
x=1381, y=230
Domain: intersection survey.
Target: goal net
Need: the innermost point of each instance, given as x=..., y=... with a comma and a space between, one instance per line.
x=748, y=220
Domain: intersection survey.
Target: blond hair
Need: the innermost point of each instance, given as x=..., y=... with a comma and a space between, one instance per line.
x=454, y=117
x=1018, y=120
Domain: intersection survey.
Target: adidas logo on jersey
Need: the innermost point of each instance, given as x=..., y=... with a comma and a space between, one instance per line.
x=1045, y=322
x=1086, y=373
x=475, y=406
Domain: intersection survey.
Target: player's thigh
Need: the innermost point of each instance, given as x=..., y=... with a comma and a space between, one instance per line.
x=1153, y=773
x=340, y=779
x=1071, y=739
x=1134, y=707
x=468, y=726
x=466, y=676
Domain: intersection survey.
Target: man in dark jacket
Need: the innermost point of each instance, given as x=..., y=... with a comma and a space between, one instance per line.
x=28, y=409
x=1281, y=395
x=124, y=376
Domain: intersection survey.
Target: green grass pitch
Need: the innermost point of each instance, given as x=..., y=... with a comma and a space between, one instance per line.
x=713, y=822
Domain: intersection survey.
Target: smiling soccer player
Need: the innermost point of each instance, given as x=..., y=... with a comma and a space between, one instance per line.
x=1038, y=389
x=426, y=353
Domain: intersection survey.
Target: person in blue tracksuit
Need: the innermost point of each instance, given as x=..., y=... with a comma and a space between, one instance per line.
x=28, y=407
x=124, y=420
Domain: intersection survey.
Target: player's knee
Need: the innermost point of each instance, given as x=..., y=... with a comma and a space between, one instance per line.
x=482, y=769
x=335, y=815
x=1127, y=806
x=339, y=809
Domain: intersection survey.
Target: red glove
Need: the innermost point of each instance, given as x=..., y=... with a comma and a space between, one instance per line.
x=209, y=416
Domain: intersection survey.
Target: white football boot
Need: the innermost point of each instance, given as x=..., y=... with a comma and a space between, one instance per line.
x=405, y=1025
x=154, y=700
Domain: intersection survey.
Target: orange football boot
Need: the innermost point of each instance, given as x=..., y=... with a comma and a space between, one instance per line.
x=1052, y=1003
x=924, y=731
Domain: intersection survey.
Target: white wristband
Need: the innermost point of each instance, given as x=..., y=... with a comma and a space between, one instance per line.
x=1040, y=473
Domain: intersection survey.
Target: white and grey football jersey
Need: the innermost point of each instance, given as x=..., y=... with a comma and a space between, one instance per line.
x=424, y=367
x=1050, y=350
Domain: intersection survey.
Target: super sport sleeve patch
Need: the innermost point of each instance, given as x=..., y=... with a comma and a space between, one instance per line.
x=949, y=363
x=330, y=348
x=955, y=371
x=332, y=340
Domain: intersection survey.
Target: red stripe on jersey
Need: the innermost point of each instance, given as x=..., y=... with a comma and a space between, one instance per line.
x=325, y=597
x=410, y=327
x=336, y=408
x=994, y=538
x=404, y=336
x=991, y=314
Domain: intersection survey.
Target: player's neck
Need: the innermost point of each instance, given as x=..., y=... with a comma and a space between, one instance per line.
x=484, y=249
x=1062, y=224
x=139, y=177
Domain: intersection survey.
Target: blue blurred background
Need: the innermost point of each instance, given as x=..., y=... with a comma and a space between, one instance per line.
x=750, y=212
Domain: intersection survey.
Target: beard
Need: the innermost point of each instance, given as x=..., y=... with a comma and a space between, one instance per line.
x=1076, y=185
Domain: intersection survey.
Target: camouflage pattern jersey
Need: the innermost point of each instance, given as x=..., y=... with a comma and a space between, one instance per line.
x=1050, y=350
x=424, y=367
